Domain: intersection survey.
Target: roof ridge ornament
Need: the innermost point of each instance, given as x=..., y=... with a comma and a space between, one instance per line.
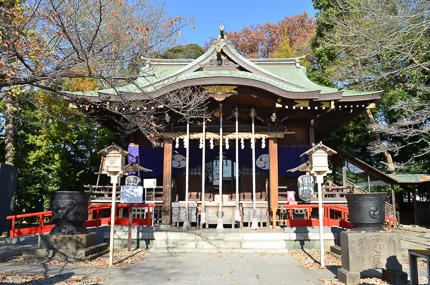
x=221, y=32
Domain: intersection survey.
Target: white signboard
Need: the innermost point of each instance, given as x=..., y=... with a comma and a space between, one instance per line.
x=131, y=194
x=149, y=183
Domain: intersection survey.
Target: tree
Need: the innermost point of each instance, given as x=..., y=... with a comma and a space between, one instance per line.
x=284, y=49
x=47, y=41
x=381, y=45
x=264, y=40
x=56, y=149
x=44, y=43
x=190, y=51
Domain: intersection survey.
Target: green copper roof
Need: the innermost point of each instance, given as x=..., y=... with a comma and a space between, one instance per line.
x=283, y=77
x=410, y=178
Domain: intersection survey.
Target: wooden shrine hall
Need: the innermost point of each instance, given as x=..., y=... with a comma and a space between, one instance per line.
x=231, y=166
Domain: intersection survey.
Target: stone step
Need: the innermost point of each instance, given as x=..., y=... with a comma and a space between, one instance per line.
x=335, y=251
x=232, y=250
x=219, y=244
x=68, y=254
x=89, y=251
x=238, y=236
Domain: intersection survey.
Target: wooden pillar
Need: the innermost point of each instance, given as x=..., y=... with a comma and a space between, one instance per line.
x=414, y=202
x=343, y=173
x=166, y=211
x=273, y=177
x=368, y=183
x=312, y=132
x=393, y=199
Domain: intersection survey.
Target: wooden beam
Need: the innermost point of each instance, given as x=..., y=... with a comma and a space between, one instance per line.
x=312, y=131
x=414, y=202
x=273, y=173
x=393, y=200
x=166, y=209
x=343, y=173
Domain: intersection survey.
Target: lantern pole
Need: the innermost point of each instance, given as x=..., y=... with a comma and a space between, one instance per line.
x=203, y=215
x=114, y=180
x=254, y=223
x=237, y=211
x=321, y=219
x=220, y=214
x=186, y=225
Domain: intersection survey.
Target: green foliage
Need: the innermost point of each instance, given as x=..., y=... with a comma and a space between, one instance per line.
x=190, y=51
x=56, y=149
x=361, y=45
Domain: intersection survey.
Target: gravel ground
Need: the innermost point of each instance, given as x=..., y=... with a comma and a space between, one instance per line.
x=60, y=279
x=310, y=258
x=122, y=259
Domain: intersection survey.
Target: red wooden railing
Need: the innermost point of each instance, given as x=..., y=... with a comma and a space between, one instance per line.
x=96, y=219
x=334, y=216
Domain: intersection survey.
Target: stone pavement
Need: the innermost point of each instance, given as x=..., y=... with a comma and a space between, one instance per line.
x=54, y=270
x=218, y=268
x=413, y=237
x=204, y=268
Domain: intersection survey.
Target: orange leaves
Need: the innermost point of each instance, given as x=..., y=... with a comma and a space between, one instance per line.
x=264, y=40
x=193, y=26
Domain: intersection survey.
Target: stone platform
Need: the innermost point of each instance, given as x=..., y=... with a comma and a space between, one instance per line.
x=67, y=247
x=232, y=240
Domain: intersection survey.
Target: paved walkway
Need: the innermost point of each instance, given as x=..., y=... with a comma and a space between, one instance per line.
x=45, y=269
x=206, y=268
x=218, y=268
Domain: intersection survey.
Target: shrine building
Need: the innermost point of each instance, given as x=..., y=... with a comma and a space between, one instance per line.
x=242, y=160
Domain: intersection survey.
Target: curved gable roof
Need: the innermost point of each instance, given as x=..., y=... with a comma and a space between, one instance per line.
x=283, y=77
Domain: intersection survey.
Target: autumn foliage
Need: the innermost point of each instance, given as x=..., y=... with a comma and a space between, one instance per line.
x=44, y=42
x=265, y=40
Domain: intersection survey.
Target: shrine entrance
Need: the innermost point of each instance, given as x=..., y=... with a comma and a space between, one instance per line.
x=231, y=163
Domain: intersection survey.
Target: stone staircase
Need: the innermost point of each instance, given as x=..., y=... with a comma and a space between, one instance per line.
x=238, y=241
x=230, y=240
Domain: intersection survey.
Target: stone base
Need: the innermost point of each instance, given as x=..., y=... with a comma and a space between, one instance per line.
x=67, y=247
x=370, y=250
x=349, y=278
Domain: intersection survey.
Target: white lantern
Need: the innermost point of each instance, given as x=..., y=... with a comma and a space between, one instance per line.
x=113, y=160
x=319, y=162
x=318, y=159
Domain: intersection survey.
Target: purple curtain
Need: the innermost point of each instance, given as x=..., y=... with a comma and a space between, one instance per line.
x=152, y=158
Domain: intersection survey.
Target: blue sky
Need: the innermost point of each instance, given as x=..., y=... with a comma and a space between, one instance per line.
x=233, y=14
